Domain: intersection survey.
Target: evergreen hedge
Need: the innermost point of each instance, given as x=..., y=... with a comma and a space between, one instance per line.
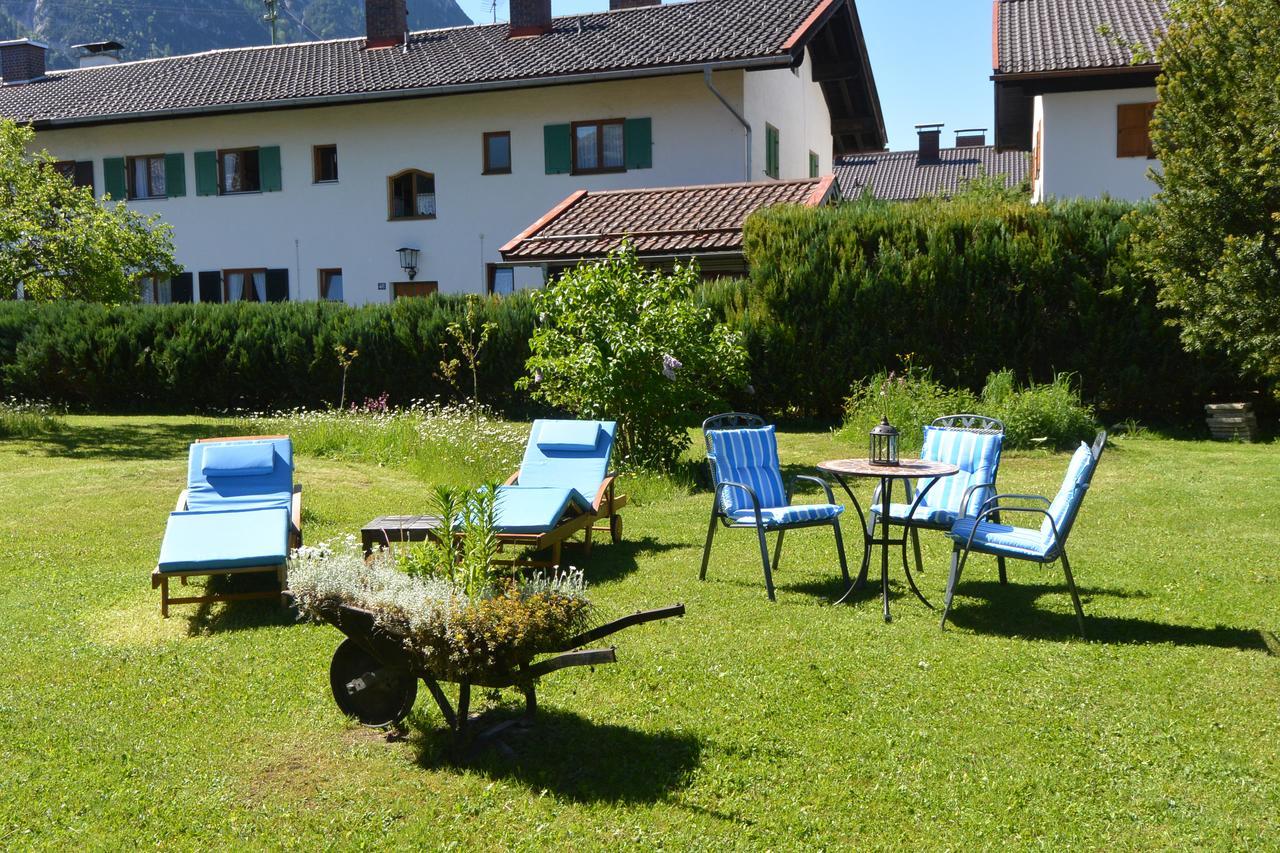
x=246, y=356
x=969, y=286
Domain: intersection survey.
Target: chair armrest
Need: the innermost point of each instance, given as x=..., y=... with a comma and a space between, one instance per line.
x=994, y=502
x=964, y=499
x=295, y=513
x=826, y=487
x=513, y=479
x=182, y=502
x=1034, y=510
x=606, y=488
x=728, y=484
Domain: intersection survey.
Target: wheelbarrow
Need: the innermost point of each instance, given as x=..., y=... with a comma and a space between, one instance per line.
x=374, y=677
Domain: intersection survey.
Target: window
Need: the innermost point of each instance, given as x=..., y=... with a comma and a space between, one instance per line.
x=814, y=165
x=331, y=285
x=497, y=153
x=598, y=146
x=413, y=195
x=413, y=289
x=324, y=164
x=238, y=171
x=156, y=291
x=771, y=167
x=78, y=173
x=1133, y=130
x=146, y=176
x=244, y=285
x=502, y=280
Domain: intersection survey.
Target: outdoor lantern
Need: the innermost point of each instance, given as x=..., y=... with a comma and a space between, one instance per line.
x=884, y=444
x=409, y=261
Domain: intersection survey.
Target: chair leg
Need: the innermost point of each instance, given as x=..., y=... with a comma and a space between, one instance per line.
x=706, y=552
x=957, y=566
x=1004, y=576
x=777, y=550
x=586, y=543
x=764, y=558
x=164, y=598
x=844, y=565
x=915, y=544
x=1075, y=597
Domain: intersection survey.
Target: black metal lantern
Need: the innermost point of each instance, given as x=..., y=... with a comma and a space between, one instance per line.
x=409, y=261
x=884, y=444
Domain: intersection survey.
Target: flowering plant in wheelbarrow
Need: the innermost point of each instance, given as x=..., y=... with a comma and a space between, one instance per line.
x=450, y=610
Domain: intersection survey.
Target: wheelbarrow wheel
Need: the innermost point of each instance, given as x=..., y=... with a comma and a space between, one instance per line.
x=615, y=529
x=375, y=694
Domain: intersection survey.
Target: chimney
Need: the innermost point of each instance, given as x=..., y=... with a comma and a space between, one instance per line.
x=615, y=5
x=930, y=136
x=971, y=137
x=386, y=22
x=530, y=18
x=21, y=61
x=95, y=53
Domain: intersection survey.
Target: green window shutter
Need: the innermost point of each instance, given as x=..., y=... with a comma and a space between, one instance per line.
x=175, y=175
x=210, y=282
x=206, y=173
x=771, y=151
x=269, y=168
x=557, y=140
x=113, y=178
x=814, y=165
x=638, y=135
x=277, y=285
x=181, y=288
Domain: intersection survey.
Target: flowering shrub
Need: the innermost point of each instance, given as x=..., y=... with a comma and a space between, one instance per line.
x=25, y=418
x=618, y=341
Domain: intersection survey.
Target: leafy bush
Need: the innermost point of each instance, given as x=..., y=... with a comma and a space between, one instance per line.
x=971, y=285
x=21, y=419
x=618, y=341
x=910, y=400
x=1050, y=415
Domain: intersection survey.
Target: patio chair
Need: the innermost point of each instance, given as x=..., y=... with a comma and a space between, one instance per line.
x=742, y=453
x=240, y=514
x=972, y=442
x=980, y=534
x=563, y=486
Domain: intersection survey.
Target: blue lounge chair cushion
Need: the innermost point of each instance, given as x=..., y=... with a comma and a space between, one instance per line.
x=924, y=514
x=750, y=457
x=581, y=470
x=195, y=541
x=210, y=491
x=535, y=509
x=788, y=515
x=575, y=436
x=998, y=539
x=237, y=459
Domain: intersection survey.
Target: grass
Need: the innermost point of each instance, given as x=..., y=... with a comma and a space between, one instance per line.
x=744, y=725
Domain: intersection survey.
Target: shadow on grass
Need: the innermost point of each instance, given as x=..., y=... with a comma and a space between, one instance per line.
x=609, y=562
x=570, y=756
x=124, y=442
x=221, y=617
x=1011, y=611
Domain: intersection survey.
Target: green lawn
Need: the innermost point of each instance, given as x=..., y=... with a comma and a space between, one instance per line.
x=746, y=724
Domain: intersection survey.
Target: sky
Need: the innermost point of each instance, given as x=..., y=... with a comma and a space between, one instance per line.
x=931, y=59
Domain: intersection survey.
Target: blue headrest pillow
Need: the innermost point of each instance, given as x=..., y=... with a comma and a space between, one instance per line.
x=238, y=459
x=579, y=436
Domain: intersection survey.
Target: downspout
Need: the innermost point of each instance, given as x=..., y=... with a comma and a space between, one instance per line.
x=706, y=78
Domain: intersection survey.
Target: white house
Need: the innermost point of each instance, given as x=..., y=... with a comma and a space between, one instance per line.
x=1075, y=84
x=299, y=171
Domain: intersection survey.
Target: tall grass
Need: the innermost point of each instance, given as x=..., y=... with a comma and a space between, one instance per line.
x=22, y=419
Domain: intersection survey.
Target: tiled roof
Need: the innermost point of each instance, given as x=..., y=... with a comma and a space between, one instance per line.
x=1036, y=36
x=898, y=176
x=672, y=221
x=652, y=38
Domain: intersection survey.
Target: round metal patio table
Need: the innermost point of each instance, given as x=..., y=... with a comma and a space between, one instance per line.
x=906, y=469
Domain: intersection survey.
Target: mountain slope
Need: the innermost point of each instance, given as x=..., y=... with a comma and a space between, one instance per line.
x=150, y=28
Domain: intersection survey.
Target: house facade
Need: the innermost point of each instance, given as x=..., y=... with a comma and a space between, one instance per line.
x=1075, y=85
x=300, y=171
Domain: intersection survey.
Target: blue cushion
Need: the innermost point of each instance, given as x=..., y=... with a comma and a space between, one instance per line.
x=1003, y=539
x=273, y=489
x=235, y=539
x=783, y=516
x=924, y=514
x=581, y=470
x=237, y=459
x=569, y=435
x=750, y=457
x=535, y=509
x=1067, y=501
x=978, y=457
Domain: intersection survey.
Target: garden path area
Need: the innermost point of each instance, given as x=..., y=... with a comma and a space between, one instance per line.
x=746, y=724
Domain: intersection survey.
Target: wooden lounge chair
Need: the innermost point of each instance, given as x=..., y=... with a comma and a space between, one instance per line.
x=241, y=513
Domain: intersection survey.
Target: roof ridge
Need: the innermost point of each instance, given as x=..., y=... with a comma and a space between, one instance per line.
x=693, y=187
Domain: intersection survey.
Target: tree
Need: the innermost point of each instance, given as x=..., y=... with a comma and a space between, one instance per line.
x=58, y=242
x=1213, y=242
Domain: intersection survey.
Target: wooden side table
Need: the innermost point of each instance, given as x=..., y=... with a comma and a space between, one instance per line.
x=386, y=529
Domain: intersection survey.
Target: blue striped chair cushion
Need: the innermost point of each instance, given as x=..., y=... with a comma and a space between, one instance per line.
x=978, y=457
x=788, y=515
x=1071, y=494
x=924, y=514
x=750, y=457
x=1001, y=538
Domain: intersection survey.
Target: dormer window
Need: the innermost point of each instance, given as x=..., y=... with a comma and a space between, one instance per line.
x=412, y=195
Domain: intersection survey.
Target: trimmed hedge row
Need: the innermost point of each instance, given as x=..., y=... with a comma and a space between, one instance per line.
x=969, y=286
x=259, y=357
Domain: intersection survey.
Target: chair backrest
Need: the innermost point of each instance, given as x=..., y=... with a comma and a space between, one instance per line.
x=1066, y=503
x=232, y=473
x=975, y=423
x=746, y=455
x=568, y=454
x=974, y=449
